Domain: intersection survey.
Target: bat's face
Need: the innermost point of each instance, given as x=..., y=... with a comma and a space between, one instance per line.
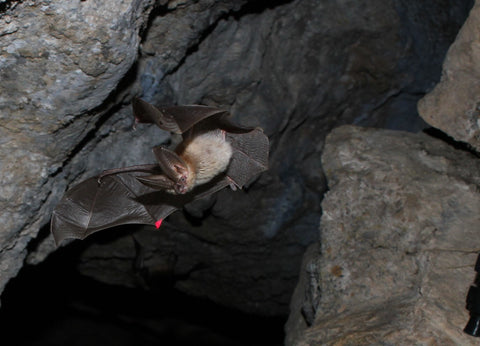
x=182, y=183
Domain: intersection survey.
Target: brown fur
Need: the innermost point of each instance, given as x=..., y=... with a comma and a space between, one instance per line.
x=206, y=156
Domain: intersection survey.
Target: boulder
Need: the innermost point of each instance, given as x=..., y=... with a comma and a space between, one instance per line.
x=453, y=106
x=398, y=243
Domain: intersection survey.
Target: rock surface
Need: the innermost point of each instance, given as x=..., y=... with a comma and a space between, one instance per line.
x=399, y=240
x=59, y=62
x=454, y=105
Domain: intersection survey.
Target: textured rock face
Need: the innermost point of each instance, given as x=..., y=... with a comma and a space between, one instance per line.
x=454, y=105
x=297, y=69
x=58, y=61
x=398, y=243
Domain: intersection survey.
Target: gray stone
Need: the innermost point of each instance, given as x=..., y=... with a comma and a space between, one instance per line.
x=59, y=60
x=399, y=239
x=453, y=105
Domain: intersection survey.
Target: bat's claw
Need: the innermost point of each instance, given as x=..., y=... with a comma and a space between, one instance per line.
x=101, y=176
x=135, y=122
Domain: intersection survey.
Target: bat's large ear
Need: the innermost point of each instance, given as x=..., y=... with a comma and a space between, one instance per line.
x=158, y=182
x=170, y=163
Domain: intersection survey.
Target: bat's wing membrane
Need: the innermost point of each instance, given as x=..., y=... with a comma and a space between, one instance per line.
x=176, y=119
x=250, y=156
x=119, y=199
x=188, y=116
x=145, y=112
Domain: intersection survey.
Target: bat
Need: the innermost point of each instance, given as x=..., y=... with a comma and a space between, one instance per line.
x=214, y=153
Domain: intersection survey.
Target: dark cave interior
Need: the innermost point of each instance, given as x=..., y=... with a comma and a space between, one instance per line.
x=52, y=304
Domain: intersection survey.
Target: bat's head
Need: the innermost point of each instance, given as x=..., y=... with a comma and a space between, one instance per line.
x=185, y=179
x=180, y=186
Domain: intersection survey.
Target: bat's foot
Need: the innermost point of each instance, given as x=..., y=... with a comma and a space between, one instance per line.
x=234, y=186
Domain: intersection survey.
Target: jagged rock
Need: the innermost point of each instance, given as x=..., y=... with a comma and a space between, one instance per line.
x=59, y=61
x=173, y=32
x=399, y=239
x=454, y=105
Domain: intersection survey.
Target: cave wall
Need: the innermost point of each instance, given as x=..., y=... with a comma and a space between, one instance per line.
x=60, y=62
x=399, y=229
x=398, y=243
x=295, y=68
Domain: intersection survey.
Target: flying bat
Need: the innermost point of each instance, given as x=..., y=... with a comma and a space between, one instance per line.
x=214, y=153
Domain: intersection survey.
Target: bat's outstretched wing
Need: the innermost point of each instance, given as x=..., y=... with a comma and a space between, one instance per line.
x=119, y=199
x=176, y=119
x=95, y=205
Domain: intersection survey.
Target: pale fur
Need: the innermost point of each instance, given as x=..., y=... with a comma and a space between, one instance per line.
x=206, y=156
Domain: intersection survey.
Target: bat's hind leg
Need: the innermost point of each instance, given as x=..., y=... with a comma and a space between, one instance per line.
x=234, y=186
